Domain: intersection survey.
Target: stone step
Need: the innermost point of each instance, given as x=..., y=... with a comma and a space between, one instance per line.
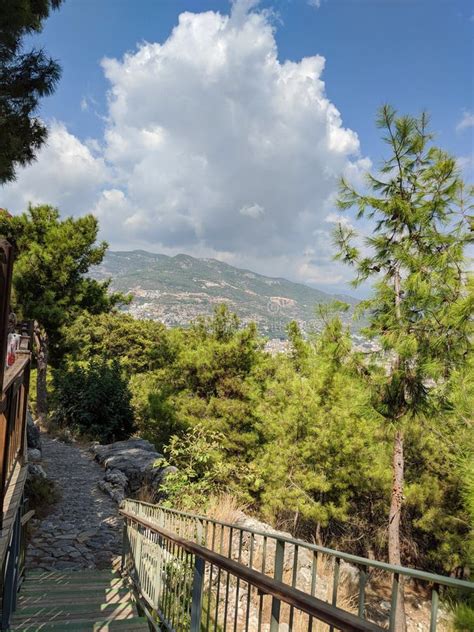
x=75, y=581
x=70, y=574
x=134, y=624
x=64, y=598
x=71, y=612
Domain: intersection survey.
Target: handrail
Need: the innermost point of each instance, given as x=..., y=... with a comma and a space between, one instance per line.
x=312, y=606
x=412, y=573
x=13, y=405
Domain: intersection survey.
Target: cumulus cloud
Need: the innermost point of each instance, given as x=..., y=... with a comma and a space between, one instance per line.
x=212, y=145
x=466, y=121
x=67, y=174
x=252, y=210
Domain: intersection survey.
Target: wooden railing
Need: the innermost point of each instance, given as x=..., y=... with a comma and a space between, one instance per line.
x=13, y=404
x=294, y=563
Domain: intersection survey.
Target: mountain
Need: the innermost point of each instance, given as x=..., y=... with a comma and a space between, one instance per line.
x=177, y=289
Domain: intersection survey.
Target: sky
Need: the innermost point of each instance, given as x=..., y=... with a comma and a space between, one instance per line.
x=222, y=129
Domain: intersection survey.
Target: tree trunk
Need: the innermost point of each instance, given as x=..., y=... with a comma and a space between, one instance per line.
x=394, y=525
x=41, y=384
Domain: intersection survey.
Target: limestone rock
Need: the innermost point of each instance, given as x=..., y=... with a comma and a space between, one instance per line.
x=36, y=471
x=134, y=458
x=103, y=451
x=115, y=484
x=34, y=455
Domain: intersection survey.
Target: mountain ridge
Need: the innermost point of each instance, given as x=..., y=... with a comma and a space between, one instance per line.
x=176, y=289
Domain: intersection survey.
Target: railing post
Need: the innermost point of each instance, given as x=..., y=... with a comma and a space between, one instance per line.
x=196, y=603
x=278, y=575
x=394, y=601
x=434, y=608
x=158, y=571
x=123, y=564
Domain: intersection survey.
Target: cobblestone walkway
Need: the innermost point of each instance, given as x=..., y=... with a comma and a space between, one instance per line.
x=83, y=529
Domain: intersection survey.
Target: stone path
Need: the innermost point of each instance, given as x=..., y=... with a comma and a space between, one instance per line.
x=83, y=529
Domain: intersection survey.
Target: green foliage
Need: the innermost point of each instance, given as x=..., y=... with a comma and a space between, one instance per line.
x=211, y=381
x=422, y=301
x=93, y=399
x=49, y=280
x=42, y=494
x=420, y=312
x=296, y=437
x=25, y=77
x=140, y=345
x=201, y=470
x=320, y=466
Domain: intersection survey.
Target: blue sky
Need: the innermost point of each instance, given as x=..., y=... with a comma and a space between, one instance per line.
x=166, y=114
x=414, y=54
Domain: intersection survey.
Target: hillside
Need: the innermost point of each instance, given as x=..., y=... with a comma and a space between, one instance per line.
x=177, y=289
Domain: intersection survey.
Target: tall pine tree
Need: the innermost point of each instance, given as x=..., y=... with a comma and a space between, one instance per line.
x=418, y=211
x=25, y=77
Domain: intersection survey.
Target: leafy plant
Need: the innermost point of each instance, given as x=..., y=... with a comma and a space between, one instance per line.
x=201, y=470
x=94, y=399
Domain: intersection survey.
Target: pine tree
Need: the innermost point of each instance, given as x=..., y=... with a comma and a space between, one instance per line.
x=25, y=77
x=49, y=281
x=420, y=308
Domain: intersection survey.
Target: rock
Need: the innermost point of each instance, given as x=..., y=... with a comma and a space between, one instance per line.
x=33, y=436
x=102, y=451
x=116, y=477
x=36, y=471
x=34, y=454
x=349, y=575
x=135, y=459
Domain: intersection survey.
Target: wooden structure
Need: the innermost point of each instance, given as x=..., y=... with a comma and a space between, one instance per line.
x=82, y=601
x=14, y=383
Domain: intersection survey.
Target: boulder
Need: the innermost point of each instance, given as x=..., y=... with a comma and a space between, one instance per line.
x=115, y=484
x=102, y=452
x=36, y=471
x=33, y=437
x=34, y=455
x=129, y=465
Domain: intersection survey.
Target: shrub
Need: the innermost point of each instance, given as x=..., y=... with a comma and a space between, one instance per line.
x=201, y=469
x=42, y=494
x=94, y=399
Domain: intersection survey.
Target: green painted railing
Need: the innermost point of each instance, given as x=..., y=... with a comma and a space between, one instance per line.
x=179, y=563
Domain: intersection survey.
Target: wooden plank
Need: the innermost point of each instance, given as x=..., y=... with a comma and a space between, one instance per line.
x=27, y=517
x=12, y=501
x=16, y=370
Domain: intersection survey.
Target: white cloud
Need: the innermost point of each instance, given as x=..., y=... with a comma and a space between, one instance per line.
x=252, y=210
x=204, y=131
x=466, y=121
x=67, y=174
x=314, y=3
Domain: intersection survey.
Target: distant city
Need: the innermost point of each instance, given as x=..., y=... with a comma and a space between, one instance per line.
x=177, y=290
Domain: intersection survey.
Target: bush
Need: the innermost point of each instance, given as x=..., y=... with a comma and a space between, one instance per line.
x=201, y=470
x=93, y=400
x=42, y=494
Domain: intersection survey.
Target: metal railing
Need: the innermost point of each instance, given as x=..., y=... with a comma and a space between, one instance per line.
x=182, y=582
x=342, y=581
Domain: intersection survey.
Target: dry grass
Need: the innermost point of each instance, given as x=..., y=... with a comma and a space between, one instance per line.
x=225, y=508
x=146, y=494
